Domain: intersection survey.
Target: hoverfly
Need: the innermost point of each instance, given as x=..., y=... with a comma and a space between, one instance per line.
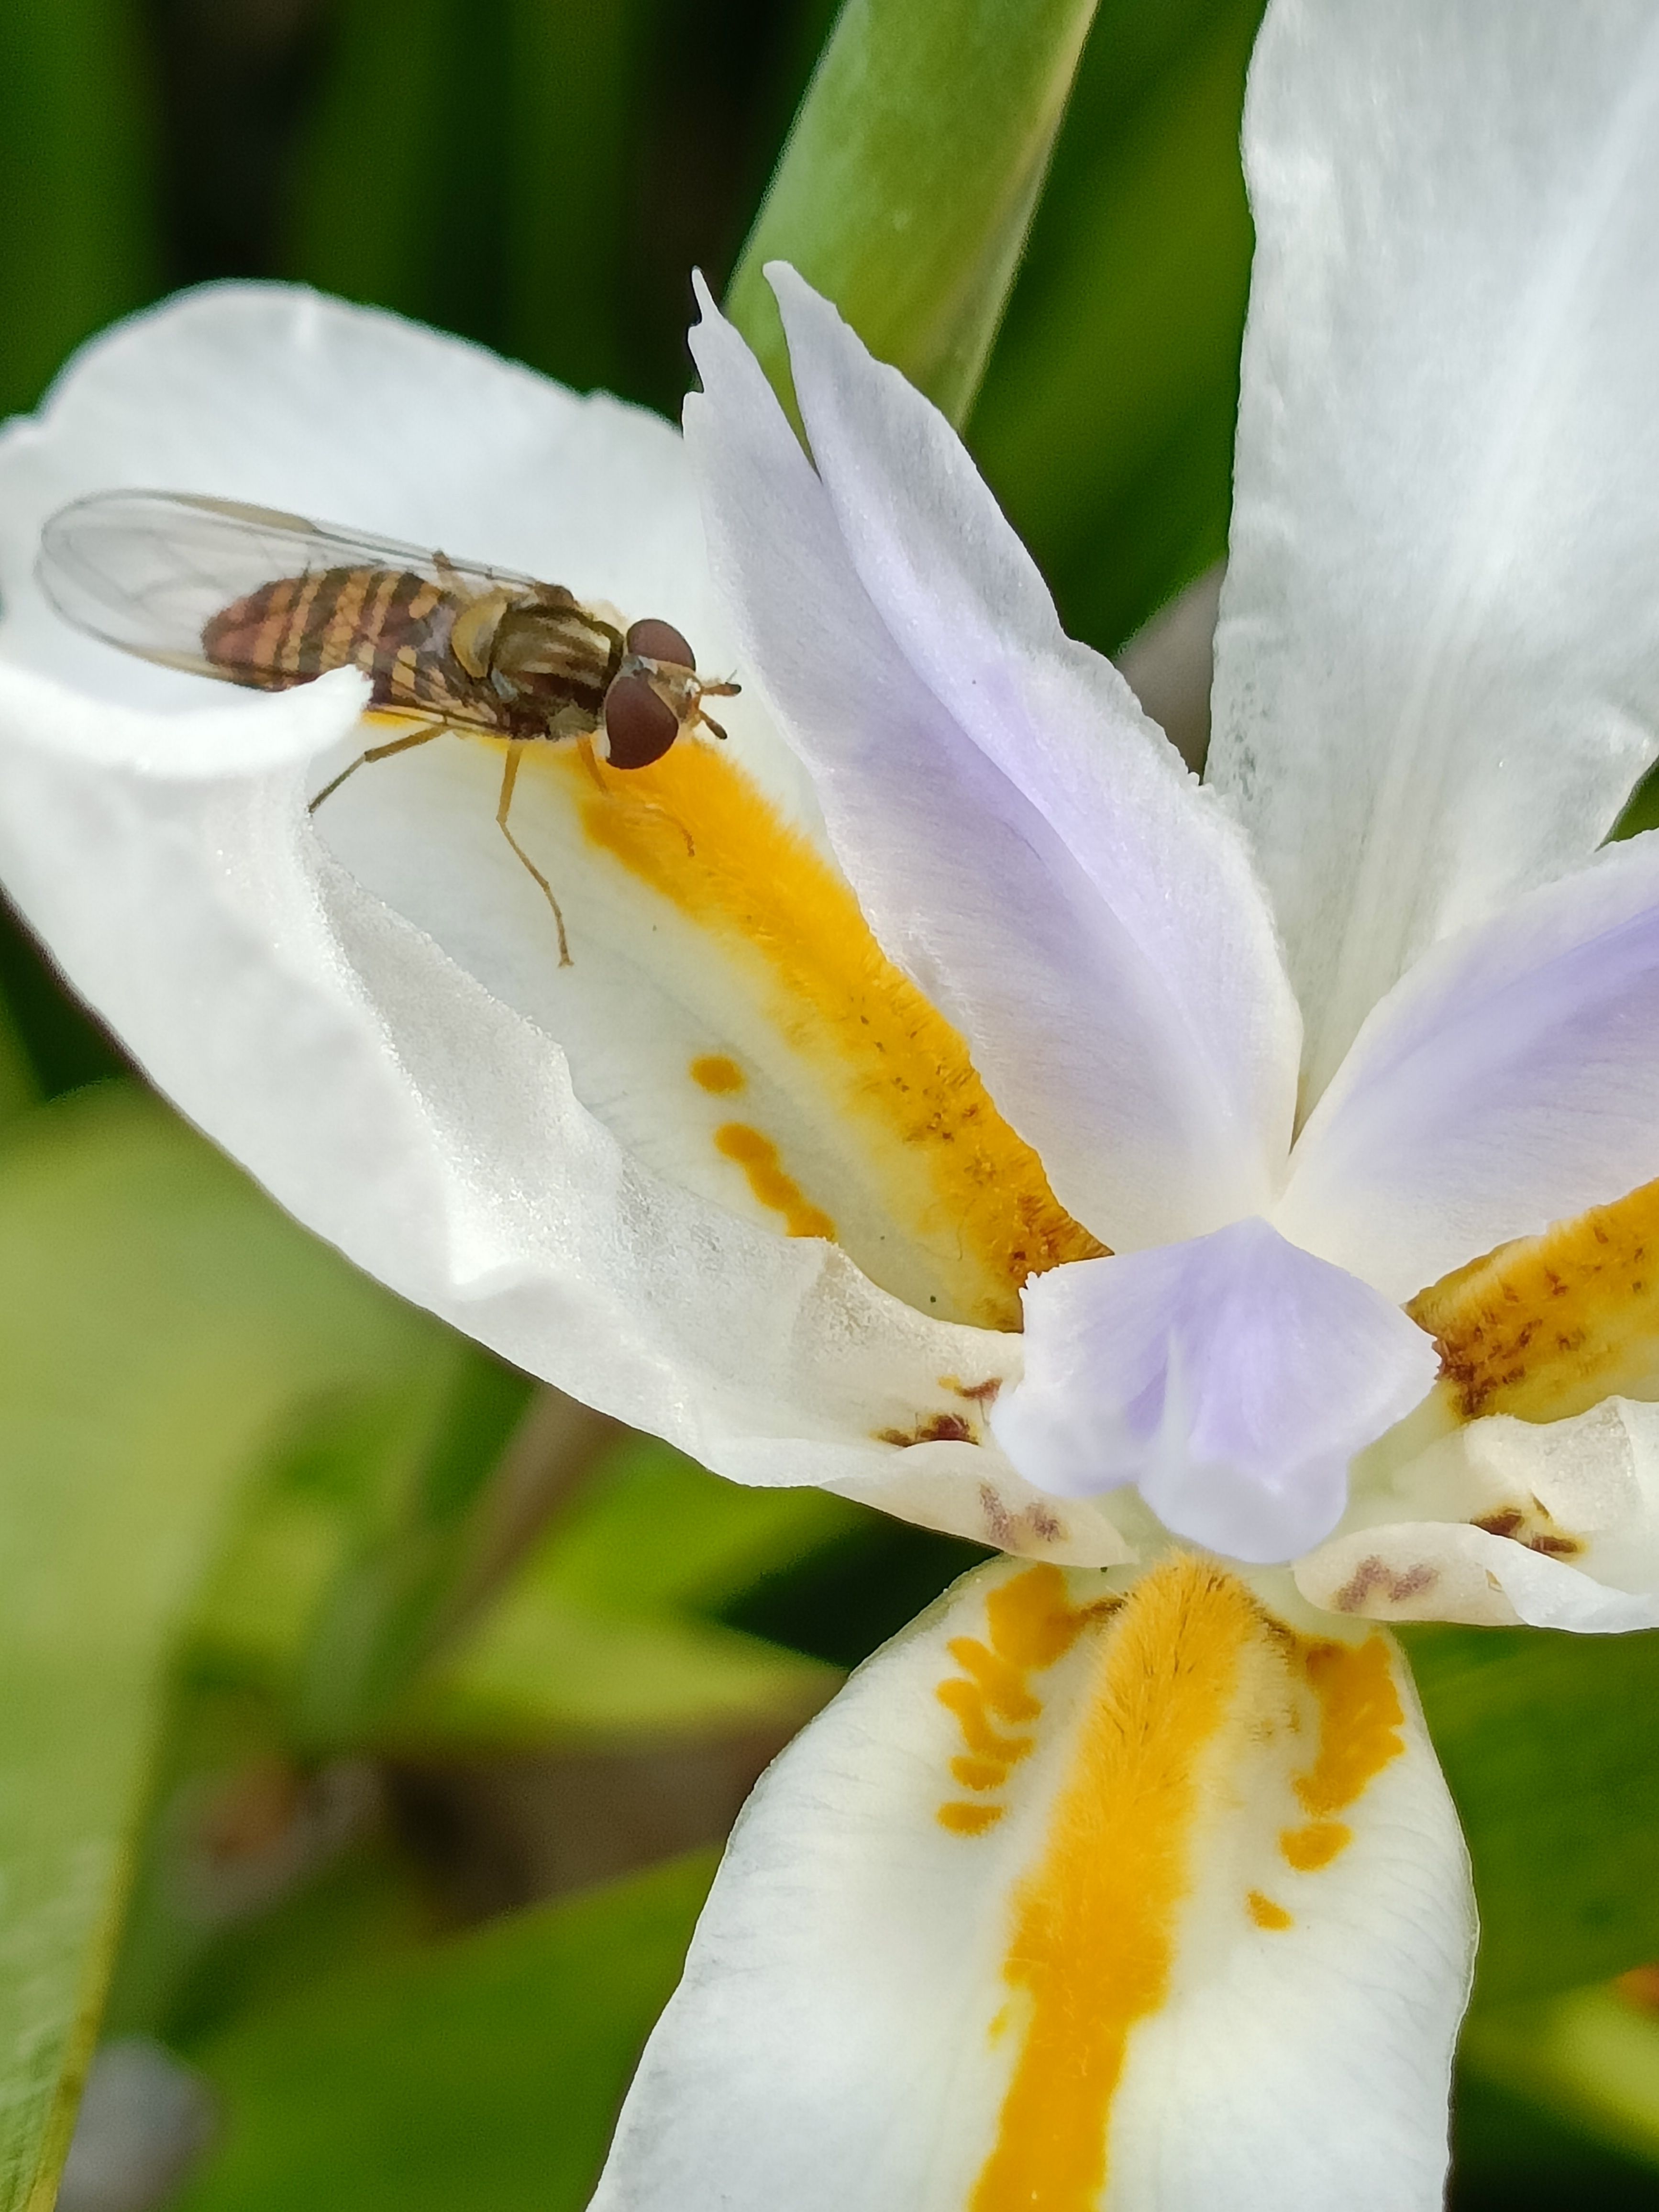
x=259, y=597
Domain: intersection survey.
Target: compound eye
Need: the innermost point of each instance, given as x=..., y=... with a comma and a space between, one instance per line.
x=660, y=640
x=639, y=726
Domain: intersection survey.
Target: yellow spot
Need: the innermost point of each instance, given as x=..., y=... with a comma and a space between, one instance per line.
x=715, y=1071
x=999, y=2026
x=1266, y=1913
x=967, y=1701
x=1360, y=1721
x=968, y=1820
x=1094, y=1921
x=1315, y=1844
x=1549, y=1326
x=949, y=1170
x=980, y=1773
x=1031, y=1623
x=757, y=1156
x=1001, y=1685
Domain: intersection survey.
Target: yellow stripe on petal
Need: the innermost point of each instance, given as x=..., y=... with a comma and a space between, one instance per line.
x=1548, y=1326
x=1190, y=1677
x=954, y=1177
x=1096, y=1919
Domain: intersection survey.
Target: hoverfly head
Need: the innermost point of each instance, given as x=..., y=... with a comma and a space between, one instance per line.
x=655, y=696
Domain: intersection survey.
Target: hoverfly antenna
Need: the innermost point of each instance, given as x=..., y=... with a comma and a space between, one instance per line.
x=729, y=690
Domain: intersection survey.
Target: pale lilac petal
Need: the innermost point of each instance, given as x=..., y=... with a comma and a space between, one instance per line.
x=1438, y=665
x=1510, y=1080
x=1022, y=839
x=1231, y=1379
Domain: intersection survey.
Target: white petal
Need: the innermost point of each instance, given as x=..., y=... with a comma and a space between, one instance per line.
x=661, y=1000
x=1507, y=1082
x=419, y=1108
x=392, y=1105
x=1024, y=842
x=1557, y=1527
x=1438, y=664
x=1152, y=1966
x=1447, y=1571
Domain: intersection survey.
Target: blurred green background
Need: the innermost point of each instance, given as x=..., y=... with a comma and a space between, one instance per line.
x=367, y=1718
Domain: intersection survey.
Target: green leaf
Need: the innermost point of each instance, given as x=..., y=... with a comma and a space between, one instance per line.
x=1542, y=1738
x=498, y=202
x=907, y=183
x=1509, y=2154
x=484, y=2072
x=1642, y=811
x=568, y=104
x=368, y=1905
x=19, y=1087
x=157, y=1317
x=386, y=1608
x=56, y=1045
x=359, y=1532
x=398, y=181
x=1106, y=423
x=78, y=245
x=239, y=1878
x=607, y=1631
x=1589, y=2058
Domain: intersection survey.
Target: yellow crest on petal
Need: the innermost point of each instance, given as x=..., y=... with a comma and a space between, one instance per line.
x=1190, y=1678
x=1548, y=1326
x=700, y=833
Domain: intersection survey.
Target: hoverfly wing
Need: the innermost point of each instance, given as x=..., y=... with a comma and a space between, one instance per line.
x=149, y=570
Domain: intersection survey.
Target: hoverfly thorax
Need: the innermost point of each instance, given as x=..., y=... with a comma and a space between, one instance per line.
x=547, y=659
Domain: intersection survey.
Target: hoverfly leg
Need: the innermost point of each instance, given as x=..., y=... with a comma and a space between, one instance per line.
x=618, y=796
x=590, y=760
x=509, y=778
x=375, y=753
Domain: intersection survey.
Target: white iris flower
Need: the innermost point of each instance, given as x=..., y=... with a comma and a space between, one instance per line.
x=1309, y=1116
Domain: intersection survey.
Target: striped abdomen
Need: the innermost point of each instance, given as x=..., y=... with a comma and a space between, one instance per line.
x=390, y=623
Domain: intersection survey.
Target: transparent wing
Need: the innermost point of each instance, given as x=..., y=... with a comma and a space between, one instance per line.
x=146, y=570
